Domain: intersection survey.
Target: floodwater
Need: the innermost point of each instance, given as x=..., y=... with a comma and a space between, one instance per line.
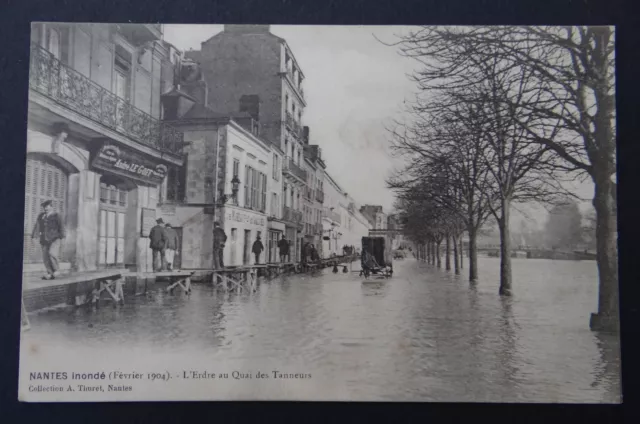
x=423, y=335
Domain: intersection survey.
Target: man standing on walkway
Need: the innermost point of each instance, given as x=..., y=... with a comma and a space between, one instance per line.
x=157, y=243
x=50, y=230
x=283, y=248
x=171, y=246
x=257, y=248
x=219, y=239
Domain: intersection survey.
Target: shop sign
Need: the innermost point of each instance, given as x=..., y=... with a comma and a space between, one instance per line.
x=246, y=218
x=127, y=163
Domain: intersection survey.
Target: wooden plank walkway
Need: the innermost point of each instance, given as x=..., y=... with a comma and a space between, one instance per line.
x=177, y=278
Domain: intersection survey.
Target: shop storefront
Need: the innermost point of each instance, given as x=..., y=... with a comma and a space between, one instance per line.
x=242, y=227
x=124, y=176
x=275, y=230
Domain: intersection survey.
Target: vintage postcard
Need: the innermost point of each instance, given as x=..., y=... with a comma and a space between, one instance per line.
x=329, y=213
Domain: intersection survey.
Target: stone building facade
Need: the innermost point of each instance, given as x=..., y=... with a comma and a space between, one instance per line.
x=96, y=144
x=246, y=68
x=220, y=150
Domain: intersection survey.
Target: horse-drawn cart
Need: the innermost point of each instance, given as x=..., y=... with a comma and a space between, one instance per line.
x=376, y=257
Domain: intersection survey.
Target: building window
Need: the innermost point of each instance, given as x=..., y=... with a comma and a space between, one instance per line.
x=123, y=68
x=112, y=195
x=274, y=205
x=55, y=38
x=176, y=177
x=236, y=168
x=263, y=193
x=255, y=189
x=247, y=183
x=276, y=167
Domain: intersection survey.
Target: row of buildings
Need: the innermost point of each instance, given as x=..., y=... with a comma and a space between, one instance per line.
x=124, y=129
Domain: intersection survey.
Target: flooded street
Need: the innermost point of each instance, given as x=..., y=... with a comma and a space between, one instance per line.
x=423, y=335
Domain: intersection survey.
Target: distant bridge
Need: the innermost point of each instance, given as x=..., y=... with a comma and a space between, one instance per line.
x=374, y=233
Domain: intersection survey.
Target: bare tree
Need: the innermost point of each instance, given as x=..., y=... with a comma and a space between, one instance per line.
x=445, y=161
x=498, y=88
x=574, y=71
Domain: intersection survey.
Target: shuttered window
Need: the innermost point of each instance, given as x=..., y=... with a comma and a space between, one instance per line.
x=44, y=181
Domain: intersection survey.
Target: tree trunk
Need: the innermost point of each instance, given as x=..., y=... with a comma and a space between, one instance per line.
x=473, y=255
x=505, y=249
x=447, y=259
x=456, y=259
x=438, y=258
x=461, y=253
x=607, y=318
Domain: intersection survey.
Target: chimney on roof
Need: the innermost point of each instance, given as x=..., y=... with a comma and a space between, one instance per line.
x=247, y=29
x=251, y=104
x=305, y=135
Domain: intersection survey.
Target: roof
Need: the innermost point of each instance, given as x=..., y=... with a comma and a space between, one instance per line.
x=267, y=33
x=200, y=111
x=176, y=92
x=194, y=55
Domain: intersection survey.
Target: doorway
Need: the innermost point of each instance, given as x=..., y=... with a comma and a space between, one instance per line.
x=45, y=180
x=113, y=212
x=234, y=244
x=246, y=260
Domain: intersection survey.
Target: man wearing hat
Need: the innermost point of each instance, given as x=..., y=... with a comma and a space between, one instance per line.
x=157, y=243
x=50, y=230
x=171, y=245
x=257, y=248
x=219, y=239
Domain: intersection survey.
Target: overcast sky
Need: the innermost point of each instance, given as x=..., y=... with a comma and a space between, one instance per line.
x=354, y=85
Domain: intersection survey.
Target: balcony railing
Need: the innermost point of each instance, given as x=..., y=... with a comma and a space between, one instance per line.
x=319, y=196
x=294, y=127
x=332, y=215
x=293, y=169
x=307, y=193
x=292, y=215
x=295, y=82
x=68, y=87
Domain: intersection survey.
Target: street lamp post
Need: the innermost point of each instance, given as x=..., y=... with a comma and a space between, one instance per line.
x=235, y=186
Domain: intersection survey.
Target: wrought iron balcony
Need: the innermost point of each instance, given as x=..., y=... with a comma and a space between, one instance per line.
x=289, y=121
x=294, y=127
x=332, y=215
x=291, y=168
x=292, y=215
x=306, y=192
x=295, y=82
x=319, y=196
x=69, y=88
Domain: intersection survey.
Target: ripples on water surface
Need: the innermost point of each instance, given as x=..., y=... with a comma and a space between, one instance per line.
x=424, y=335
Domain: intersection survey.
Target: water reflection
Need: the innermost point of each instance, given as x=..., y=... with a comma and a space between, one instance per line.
x=422, y=335
x=607, y=375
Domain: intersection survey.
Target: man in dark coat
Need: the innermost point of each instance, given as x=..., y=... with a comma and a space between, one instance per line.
x=50, y=230
x=219, y=239
x=257, y=248
x=283, y=248
x=171, y=245
x=157, y=243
